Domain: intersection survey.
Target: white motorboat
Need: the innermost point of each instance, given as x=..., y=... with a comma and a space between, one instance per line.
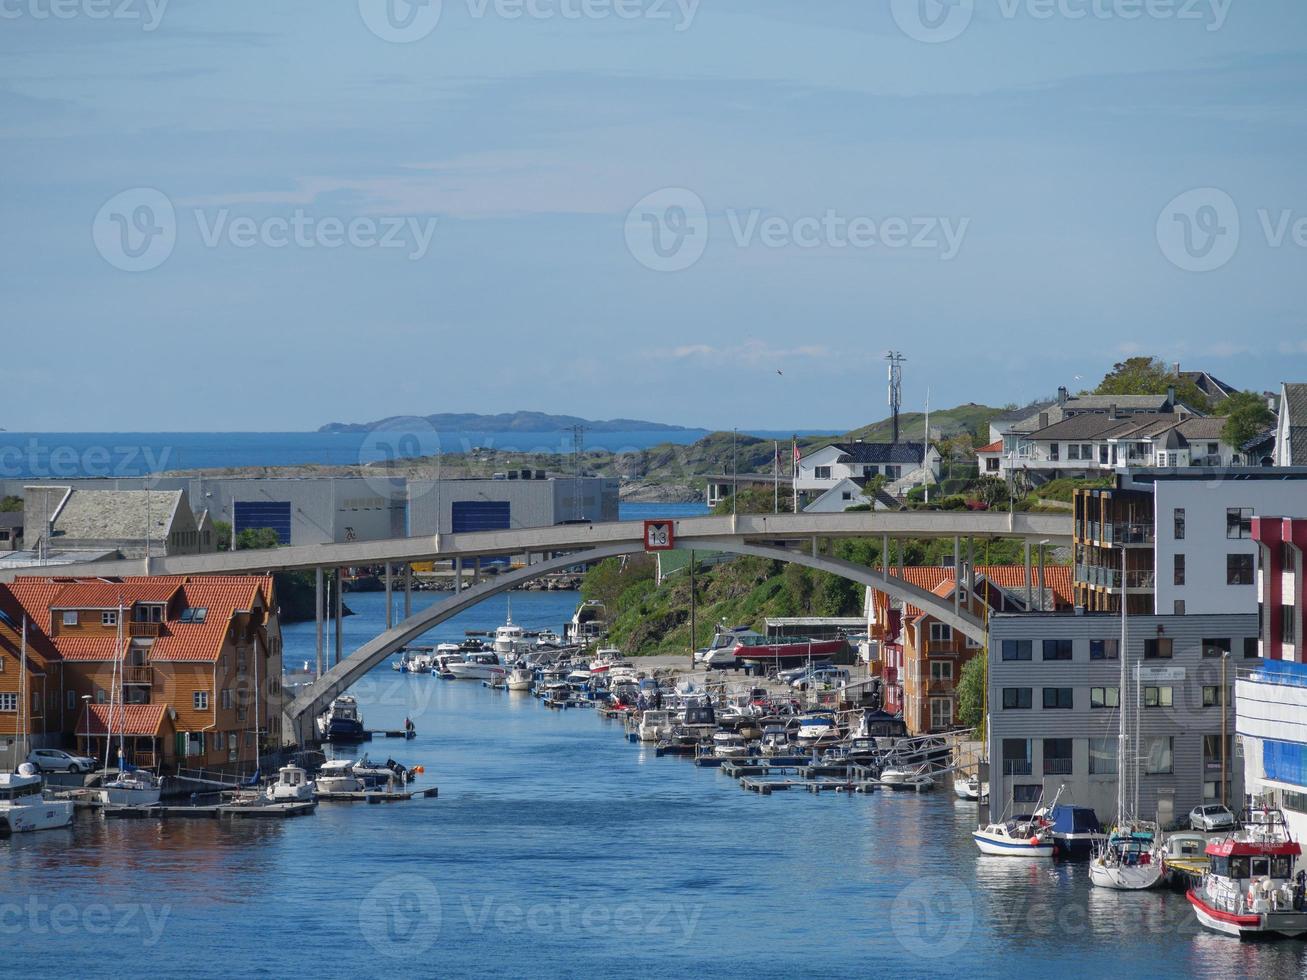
x=510, y=639
x=1013, y=838
x=337, y=776
x=520, y=679
x=656, y=724
x=23, y=805
x=606, y=659
x=548, y=640
x=908, y=778
x=292, y=786
x=131, y=787
x=440, y=667
x=726, y=745
x=969, y=788
x=588, y=623
x=815, y=731
x=477, y=667
x=776, y=741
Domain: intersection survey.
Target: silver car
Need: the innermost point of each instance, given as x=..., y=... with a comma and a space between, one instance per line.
x=57, y=760
x=1211, y=816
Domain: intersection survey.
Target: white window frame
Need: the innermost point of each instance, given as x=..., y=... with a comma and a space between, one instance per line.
x=9, y=701
x=941, y=633
x=109, y=617
x=70, y=617
x=935, y=703
x=941, y=670
x=200, y=700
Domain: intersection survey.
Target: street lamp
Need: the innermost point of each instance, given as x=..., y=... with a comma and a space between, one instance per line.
x=86, y=735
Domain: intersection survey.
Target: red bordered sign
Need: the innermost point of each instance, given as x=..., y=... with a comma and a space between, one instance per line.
x=659, y=535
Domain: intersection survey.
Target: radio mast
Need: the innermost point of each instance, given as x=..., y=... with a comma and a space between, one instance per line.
x=895, y=387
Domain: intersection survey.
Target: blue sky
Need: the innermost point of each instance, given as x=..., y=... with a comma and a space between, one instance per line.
x=1015, y=190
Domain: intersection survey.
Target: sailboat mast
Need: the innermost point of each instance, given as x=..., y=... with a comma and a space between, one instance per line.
x=24, y=713
x=1122, y=696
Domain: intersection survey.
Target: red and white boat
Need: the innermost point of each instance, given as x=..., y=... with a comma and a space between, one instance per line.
x=798, y=649
x=1251, y=888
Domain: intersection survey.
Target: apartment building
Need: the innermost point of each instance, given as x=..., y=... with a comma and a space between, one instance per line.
x=187, y=669
x=1185, y=536
x=1055, y=694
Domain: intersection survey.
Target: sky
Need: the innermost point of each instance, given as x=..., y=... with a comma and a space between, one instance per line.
x=271, y=214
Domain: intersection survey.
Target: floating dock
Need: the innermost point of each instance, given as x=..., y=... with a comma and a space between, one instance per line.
x=216, y=811
x=379, y=796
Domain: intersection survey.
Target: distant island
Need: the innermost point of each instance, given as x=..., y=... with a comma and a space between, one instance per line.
x=505, y=422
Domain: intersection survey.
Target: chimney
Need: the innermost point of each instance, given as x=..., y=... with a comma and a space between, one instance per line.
x=1170, y=394
x=1043, y=420
x=1177, y=369
x=1111, y=411
x=1061, y=396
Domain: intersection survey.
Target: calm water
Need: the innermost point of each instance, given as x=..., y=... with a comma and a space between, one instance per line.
x=556, y=847
x=66, y=455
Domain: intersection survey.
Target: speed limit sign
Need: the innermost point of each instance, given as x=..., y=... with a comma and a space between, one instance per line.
x=659, y=536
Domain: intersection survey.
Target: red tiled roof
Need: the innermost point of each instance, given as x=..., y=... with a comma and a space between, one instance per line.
x=221, y=595
x=994, y=447
x=133, y=719
x=939, y=580
x=39, y=648
x=99, y=594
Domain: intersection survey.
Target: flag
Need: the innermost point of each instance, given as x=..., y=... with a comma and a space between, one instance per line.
x=796, y=456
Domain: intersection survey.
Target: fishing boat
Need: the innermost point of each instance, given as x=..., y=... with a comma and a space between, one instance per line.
x=1130, y=858
x=478, y=666
x=342, y=721
x=23, y=806
x=337, y=776
x=1250, y=889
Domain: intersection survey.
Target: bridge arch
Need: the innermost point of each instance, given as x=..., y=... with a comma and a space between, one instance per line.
x=313, y=701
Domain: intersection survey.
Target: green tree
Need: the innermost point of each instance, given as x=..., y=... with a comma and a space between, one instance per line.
x=11, y=505
x=222, y=535
x=257, y=539
x=1246, y=416
x=1149, y=376
x=971, y=692
x=757, y=500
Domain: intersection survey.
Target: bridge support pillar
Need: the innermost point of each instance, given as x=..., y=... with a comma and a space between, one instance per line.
x=390, y=598
x=317, y=612
x=458, y=575
x=957, y=573
x=971, y=565
x=408, y=589
x=884, y=557
x=340, y=613
x=476, y=570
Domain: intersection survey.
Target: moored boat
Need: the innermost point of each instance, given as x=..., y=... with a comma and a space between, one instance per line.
x=342, y=721
x=1250, y=889
x=1015, y=838
x=23, y=806
x=478, y=666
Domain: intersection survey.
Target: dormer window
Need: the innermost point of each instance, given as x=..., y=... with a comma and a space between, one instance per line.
x=148, y=612
x=70, y=617
x=194, y=614
x=109, y=617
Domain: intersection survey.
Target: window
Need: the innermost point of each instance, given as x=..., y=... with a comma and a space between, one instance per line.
x=1104, y=697
x=1217, y=647
x=1016, y=649
x=941, y=670
x=1057, y=757
x=1027, y=792
x=1238, y=522
x=1104, y=649
x=1178, y=517
x=1073, y=450
x=1052, y=451
x=1157, y=697
x=1211, y=696
x=1016, y=697
x=941, y=712
x=1057, y=649
x=1016, y=757
x=821, y=472
x=1057, y=697
x=1177, y=607
x=1178, y=572
x=1252, y=647
x=1157, y=755
x=941, y=633
x=197, y=614
x=1238, y=569
x=8, y=701
x=893, y=472
x=1287, y=624
x=70, y=617
x=109, y=618
x=226, y=698
x=1102, y=756
x=72, y=700
x=972, y=643
x=200, y=700
x=1158, y=648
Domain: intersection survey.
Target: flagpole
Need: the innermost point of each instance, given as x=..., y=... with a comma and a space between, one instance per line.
x=22, y=693
x=794, y=475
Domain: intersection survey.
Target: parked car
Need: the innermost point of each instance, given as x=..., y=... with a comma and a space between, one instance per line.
x=1212, y=816
x=822, y=677
x=57, y=760
x=794, y=673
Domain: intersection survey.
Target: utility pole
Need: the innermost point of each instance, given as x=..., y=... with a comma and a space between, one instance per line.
x=895, y=387
x=578, y=440
x=735, y=488
x=693, y=631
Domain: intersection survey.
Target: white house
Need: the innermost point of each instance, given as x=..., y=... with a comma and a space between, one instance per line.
x=1291, y=431
x=904, y=465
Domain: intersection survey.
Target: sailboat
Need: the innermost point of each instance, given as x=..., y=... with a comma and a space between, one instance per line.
x=132, y=786
x=1130, y=859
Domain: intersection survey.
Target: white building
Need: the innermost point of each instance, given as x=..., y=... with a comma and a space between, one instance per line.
x=1291, y=429
x=903, y=465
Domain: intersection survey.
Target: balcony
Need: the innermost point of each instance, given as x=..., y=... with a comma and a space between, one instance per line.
x=148, y=631
x=138, y=674
x=1143, y=579
x=1016, y=767
x=1057, y=767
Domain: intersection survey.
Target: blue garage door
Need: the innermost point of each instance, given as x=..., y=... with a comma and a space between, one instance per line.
x=481, y=515
x=255, y=514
